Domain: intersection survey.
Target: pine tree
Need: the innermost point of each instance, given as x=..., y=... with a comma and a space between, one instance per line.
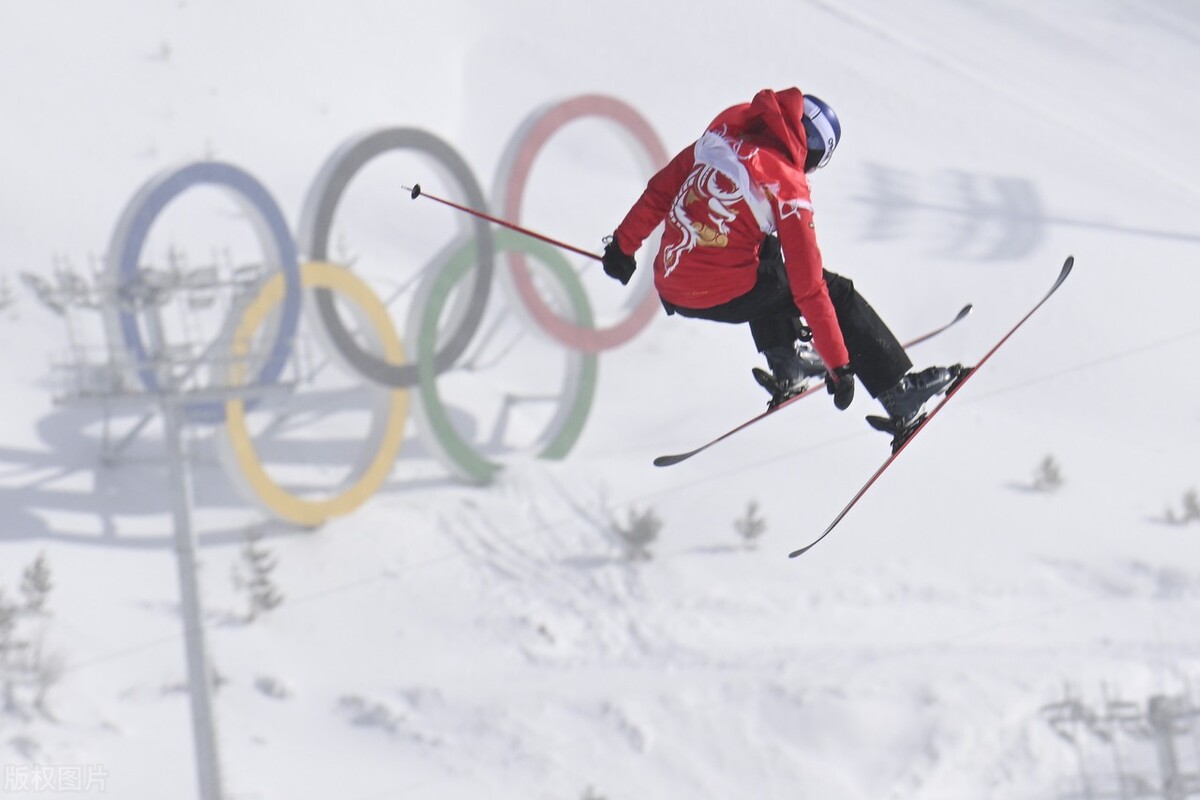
x=8, y=627
x=10, y=655
x=638, y=533
x=7, y=296
x=1190, y=512
x=1191, y=505
x=254, y=577
x=750, y=525
x=1048, y=477
x=36, y=585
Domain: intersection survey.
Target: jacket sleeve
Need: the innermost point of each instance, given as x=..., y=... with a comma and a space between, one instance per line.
x=654, y=204
x=806, y=275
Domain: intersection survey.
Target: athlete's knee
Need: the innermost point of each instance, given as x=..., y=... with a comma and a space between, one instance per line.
x=840, y=287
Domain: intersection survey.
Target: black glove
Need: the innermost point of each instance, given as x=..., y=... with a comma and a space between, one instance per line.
x=840, y=384
x=617, y=264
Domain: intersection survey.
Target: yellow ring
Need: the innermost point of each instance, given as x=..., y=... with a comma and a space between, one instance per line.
x=253, y=474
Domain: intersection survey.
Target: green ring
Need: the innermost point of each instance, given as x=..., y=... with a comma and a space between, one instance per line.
x=459, y=454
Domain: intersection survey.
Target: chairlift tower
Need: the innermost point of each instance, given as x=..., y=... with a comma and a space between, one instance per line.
x=185, y=373
x=1162, y=722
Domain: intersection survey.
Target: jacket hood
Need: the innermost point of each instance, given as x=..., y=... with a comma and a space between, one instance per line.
x=778, y=114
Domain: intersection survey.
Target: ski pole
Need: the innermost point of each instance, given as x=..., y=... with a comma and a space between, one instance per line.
x=416, y=192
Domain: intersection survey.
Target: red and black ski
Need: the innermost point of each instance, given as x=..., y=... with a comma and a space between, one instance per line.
x=666, y=461
x=1062, y=276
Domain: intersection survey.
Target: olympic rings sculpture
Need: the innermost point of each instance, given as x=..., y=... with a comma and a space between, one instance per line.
x=455, y=287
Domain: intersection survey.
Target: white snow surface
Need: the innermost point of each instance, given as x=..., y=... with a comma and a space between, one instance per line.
x=449, y=640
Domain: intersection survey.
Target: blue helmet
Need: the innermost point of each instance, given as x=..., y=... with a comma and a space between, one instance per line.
x=823, y=130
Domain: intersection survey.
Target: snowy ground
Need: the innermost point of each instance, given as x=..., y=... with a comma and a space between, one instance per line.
x=455, y=641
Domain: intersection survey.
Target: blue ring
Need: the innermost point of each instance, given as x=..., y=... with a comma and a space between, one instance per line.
x=274, y=235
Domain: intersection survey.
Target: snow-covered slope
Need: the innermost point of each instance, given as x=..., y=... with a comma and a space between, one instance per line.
x=454, y=641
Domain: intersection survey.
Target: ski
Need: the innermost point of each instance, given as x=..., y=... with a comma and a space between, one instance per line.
x=666, y=461
x=953, y=390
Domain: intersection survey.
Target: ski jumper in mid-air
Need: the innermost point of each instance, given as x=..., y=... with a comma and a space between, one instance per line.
x=739, y=246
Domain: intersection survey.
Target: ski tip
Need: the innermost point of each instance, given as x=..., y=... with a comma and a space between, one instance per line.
x=1063, y=273
x=808, y=546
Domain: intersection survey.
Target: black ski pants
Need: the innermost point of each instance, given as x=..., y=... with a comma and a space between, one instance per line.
x=876, y=356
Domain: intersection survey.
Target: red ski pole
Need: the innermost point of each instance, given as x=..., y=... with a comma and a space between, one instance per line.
x=416, y=192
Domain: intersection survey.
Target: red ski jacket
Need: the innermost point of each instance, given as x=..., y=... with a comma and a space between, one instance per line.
x=720, y=197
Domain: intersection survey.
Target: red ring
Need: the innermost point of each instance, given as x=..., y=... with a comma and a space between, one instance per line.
x=540, y=127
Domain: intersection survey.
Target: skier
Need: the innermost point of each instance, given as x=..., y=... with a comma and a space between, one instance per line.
x=740, y=246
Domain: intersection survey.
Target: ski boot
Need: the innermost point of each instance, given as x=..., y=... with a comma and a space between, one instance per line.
x=905, y=401
x=793, y=368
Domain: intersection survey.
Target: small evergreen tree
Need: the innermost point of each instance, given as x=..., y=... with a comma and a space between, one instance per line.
x=750, y=525
x=25, y=660
x=1191, y=509
x=1191, y=505
x=253, y=576
x=8, y=627
x=7, y=296
x=36, y=585
x=1048, y=477
x=638, y=532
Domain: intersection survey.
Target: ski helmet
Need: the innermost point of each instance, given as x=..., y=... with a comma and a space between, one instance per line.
x=823, y=130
